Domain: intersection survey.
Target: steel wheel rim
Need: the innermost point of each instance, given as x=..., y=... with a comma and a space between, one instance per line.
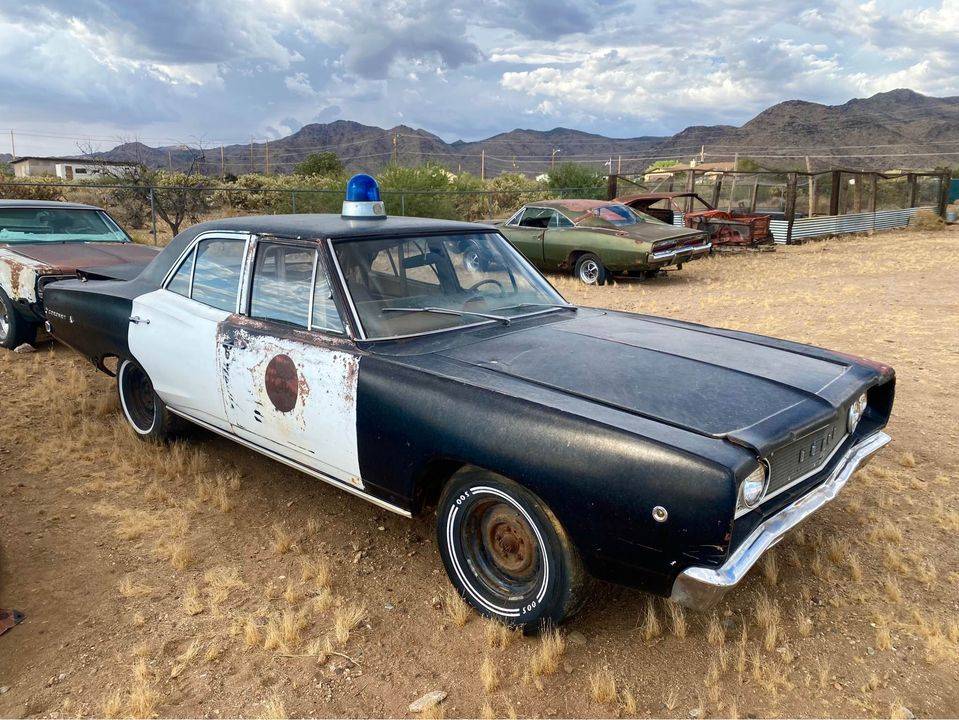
x=4, y=321
x=501, y=549
x=471, y=261
x=139, y=397
x=589, y=272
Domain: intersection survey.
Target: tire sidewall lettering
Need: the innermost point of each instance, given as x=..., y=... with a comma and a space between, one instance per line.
x=529, y=608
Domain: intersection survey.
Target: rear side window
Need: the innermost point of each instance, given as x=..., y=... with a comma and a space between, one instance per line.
x=216, y=272
x=282, y=280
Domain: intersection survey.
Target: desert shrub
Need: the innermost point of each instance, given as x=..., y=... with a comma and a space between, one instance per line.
x=511, y=190
x=33, y=188
x=254, y=193
x=471, y=203
x=429, y=187
x=324, y=164
x=926, y=220
x=576, y=180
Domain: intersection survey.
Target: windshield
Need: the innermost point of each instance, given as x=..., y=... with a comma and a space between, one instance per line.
x=612, y=215
x=57, y=225
x=409, y=286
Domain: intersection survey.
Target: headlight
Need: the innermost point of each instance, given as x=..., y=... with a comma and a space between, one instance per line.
x=855, y=412
x=753, y=487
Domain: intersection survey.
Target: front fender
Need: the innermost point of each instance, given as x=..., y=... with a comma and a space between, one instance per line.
x=602, y=482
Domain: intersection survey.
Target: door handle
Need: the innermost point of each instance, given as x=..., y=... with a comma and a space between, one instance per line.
x=238, y=344
x=137, y=320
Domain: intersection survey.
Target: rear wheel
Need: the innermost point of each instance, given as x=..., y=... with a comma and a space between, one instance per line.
x=142, y=407
x=506, y=552
x=589, y=269
x=14, y=329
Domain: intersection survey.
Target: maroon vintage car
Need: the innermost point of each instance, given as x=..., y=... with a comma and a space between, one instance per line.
x=43, y=241
x=724, y=228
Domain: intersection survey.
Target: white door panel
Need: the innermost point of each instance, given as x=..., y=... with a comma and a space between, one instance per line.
x=295, y=398
x=178, y=349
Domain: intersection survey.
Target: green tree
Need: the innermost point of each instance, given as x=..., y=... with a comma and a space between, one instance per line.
x=577, y=180
x=324, y=164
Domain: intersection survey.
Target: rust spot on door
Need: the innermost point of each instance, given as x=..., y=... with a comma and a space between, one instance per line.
x=282, y=383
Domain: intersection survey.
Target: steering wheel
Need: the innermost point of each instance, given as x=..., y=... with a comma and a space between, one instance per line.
x=485, y=281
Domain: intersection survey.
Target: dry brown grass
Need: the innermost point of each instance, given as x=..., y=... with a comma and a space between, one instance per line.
x=498, y=636
x=282, y=540
x=628, y=702
x=346, y=619
x=185, y=659
x=770, y=568
x=715, y=632
x=489, y=675
x=651, y=627
x=768, y=619
x=130, y=588
x=549, y=651
x=602, y=686
x=456, y=609
x=142, y=699
x=677, y=619
x=192, y=604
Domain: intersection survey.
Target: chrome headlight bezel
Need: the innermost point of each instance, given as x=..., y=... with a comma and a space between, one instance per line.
x=856, y=410
x=753, y=488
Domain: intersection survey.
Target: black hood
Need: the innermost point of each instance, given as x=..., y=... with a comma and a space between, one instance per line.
x=755, y=391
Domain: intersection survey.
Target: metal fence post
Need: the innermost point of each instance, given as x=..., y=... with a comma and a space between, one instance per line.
x=293, y=201
x=790, y=206
x=402, y=203
x=153, y=215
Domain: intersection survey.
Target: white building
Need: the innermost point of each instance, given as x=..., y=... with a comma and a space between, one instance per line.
x=68, y=168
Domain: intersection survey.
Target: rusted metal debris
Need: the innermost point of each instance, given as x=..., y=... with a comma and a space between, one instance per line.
x=9, y=618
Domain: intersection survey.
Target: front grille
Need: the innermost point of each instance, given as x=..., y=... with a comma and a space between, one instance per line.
x=805, y=455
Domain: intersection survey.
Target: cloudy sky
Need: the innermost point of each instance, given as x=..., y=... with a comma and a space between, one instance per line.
x=220, y=71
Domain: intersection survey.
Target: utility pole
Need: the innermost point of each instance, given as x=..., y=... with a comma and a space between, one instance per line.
x=483, y=165
x=619, y=165
x=13, y=146
x=169, y=159
x=267, y=157
x=812, y=188
x=552, y=159
x=702, y=153
x=251, y=154
x=222, y=164
x=395, y=149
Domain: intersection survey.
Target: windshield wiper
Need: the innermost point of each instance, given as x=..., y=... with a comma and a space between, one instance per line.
x=448, y=311
x=564, y=306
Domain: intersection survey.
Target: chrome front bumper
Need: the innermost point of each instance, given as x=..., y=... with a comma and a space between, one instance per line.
x=674, y=252
x=700, y=588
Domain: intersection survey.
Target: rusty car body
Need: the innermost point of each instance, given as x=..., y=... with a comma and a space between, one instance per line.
x=596, y=239
x=724, y=228
x=553, y=440
x=43, y=241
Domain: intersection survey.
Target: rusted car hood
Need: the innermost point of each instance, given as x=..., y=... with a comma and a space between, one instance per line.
x=752, y=390
x=69, y=256
x=649, y=232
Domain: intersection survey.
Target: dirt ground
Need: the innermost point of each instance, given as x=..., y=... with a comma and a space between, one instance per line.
x=203, y=580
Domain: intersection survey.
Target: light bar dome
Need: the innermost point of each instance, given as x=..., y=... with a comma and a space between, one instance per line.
x=363, y=198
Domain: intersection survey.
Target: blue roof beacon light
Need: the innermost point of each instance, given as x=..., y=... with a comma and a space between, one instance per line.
x=363, y=199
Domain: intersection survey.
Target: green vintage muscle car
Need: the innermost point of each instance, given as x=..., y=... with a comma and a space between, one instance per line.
x=594, y=239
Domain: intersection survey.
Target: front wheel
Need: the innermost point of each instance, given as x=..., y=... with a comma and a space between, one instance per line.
x=506, y=553
x=142, y=407
x=14, y=330
x=590, y=270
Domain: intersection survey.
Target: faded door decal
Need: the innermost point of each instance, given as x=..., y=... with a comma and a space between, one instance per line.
x=297, y=398
x=282, y=383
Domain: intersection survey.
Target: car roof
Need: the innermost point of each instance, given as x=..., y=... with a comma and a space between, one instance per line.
x=46, y=204
x=335, y=226
x=573, y=204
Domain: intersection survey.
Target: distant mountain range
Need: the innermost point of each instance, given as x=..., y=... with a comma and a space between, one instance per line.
x=897, y=129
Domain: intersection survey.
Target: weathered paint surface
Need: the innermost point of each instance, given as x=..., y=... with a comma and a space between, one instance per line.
x=297, y=395
x=18, y=275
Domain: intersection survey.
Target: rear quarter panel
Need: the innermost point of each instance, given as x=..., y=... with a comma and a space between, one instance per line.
x=617, y=252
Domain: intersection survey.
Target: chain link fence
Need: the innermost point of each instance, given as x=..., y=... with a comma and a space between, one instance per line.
x=154, y=213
